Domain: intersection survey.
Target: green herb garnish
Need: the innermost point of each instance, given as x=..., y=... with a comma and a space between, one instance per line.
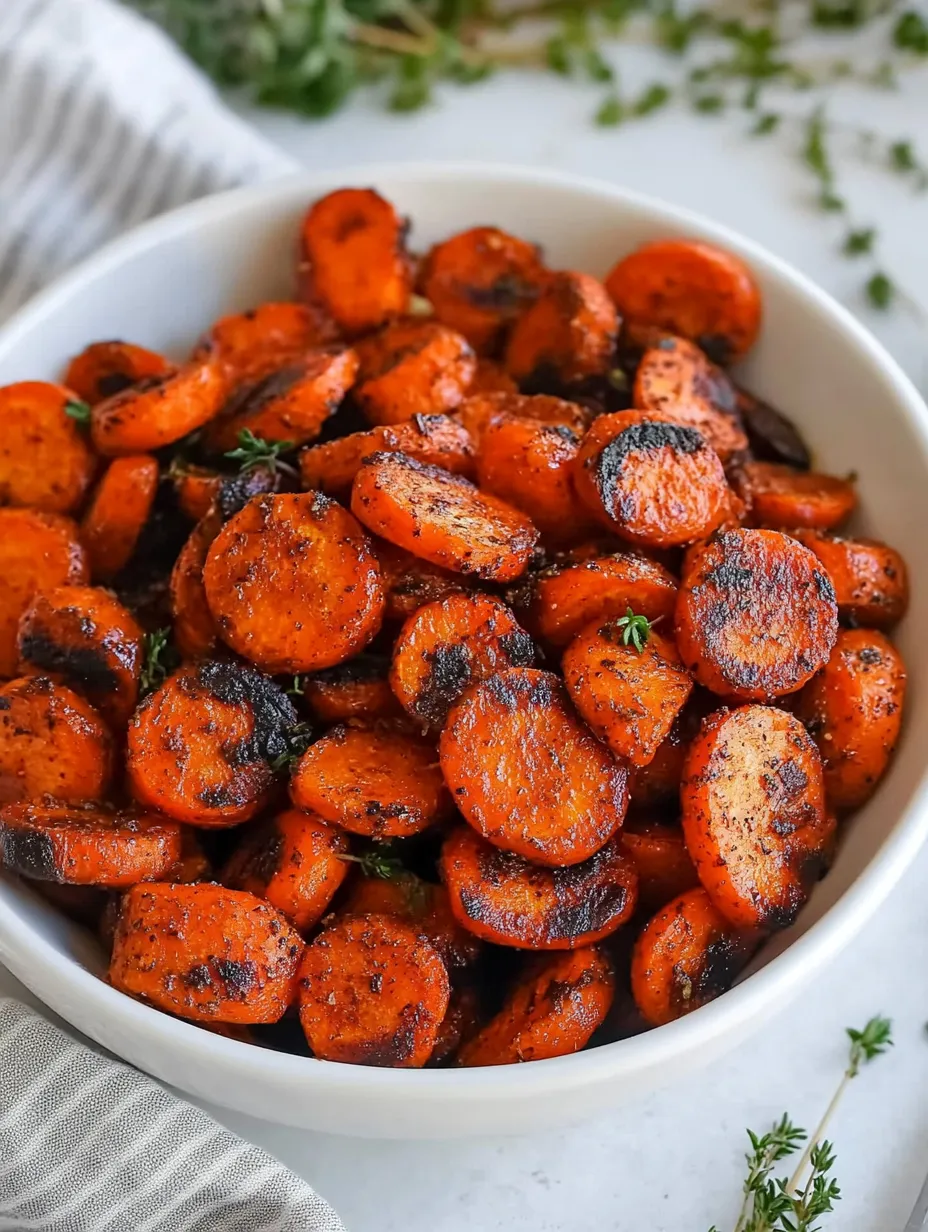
x=254, y=451
x=159, y=658
x=376, y=864
x=77, y=410
x=635, y=629
x=297, y=739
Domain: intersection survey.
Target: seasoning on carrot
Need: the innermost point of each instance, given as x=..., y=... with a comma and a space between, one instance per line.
x=250, y=345
x=410, y=581
x=117, y=513
x=568, y=333
x=159, y=410
x=658, y=851
x=479, y=411
x=107, y=368
x=45, y=461
x=870, y=579
x=358, y=689
x=412, y=368
x=783, y=497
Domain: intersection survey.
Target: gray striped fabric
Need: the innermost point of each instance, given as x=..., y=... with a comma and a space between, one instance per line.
x=90, y=1145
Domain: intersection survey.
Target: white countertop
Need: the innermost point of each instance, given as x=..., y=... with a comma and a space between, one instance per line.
x=672, y=1162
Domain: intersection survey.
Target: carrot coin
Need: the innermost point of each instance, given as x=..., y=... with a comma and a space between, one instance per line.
x=118, y=511
x=412, y=368
x=772, y=437
x=479, y=411
x=45, y=461
x=781, y=496
x=410, y=582
x=159, y=410
x=659, y=854
x=251, y=344
x=870, y=579
x=568, y=333
x=358, y=689
x=107, y=368
x=490, y=377
x=194, y=628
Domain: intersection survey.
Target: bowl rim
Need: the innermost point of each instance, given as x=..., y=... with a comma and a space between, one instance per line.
x=767, y=988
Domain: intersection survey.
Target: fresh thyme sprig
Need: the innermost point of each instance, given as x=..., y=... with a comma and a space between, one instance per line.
x=376, y=864
x=159, y=658
x=255, y=451
x=636, y=629
x=77, y=410
x=298, y=739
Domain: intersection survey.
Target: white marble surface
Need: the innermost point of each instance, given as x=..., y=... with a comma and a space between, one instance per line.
x=672, y=1162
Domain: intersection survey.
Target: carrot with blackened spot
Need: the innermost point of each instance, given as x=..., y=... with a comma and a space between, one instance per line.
x=527, y=774
x=409, y=582
x=756, y=615
x=358, y=689
x=45, y=461
x=568, y=333
x=372, y=779
x=853, y=711
x=870, y=579
x=783, y=497
x=504, y=899
x=205, y=953
x=552, y=1011
x=771, y=435
x=479, y=411
x=412, y=368
x=159, y=410
x=107, y=368
x=117, y=513
x=441, y=517
x=687, y=955
x=251, y=344
x=372, y=992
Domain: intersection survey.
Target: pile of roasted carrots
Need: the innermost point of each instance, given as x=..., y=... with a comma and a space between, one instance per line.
x=454, y=658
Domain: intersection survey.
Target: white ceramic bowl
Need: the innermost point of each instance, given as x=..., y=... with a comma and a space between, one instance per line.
x=160, y=286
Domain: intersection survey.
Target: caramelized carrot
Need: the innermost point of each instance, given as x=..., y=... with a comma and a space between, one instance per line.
x=853, y=711
x=481, y=410
x=194, y=628
x=692, y=289
x=460, y=1024
x=200, y=747
x=292, y=583
x=412, y=368
x=504, y=899
x=371, y=779
x=252, y=344
x=410, y=582
x=781, y=496
x=107, y=368
x=553, y=1011
x=870, y=579
x=567, y=334
x=372, y=992
x=45, y=461
x=490, y=378
x=772, y=437
x=159, y=410
x=754, y=815
x=756, y=615
x=448, y=645
x=659, y=780
x=119, y=509
x=192, y=864
x=196, y=488
x=441, y=517
x=358, y=689
x=527, y=774
x=659, y=854
x=205, y=953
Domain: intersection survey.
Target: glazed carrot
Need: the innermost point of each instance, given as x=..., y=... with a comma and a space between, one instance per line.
x=441, y=517
x=372, y=992
x=293, y=861
x=371, y=779
x=692, y=289
x=438, y=440
x=38, y=551
x=200, y=747
x=289, y=404
x=478, y=411
x=293, y=584
x=206, y=953
x=158, y=410
x=52, y=743
x=756, y=615
x=654, y=482
x=358, y=689
x=772, y=437
x=410, y=581
x=194, y=628
x=480, y=282
x=199, y=488
x=87, y=846
x=196, y=488
x=781, y=496
x=107, y=368
x=527, y=774
x=568, y=333
x=754, y=816
x=660, y=857
x=490, y=377
x=119, y=509
x=687, y=955
x=659, y=780
x=629, y=697
x=552, y=1011
x=412, y=368
x=353, y=259
x=192, y=864
x=252, y=344
x=678, y=379
x=448, y=645
x=45, y=461
x=870, y=579
x=504, y=899
x=853, y=711
x=89, y=640
x=460, y=1024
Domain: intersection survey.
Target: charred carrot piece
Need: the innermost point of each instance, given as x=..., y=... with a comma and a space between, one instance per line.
x=410, y=582
x=661, y=860
x=107, y=368
x=771, y=435
x=194, y=627
x=780, y=496
x=460, y=1024
x=412, y=368
x=196, y=488
x=659, y=781
x=358, y=689
x=159, y=410
x=192, y=864
x=479, y=411
x=568, y=333
x=252, y=344
x=372, y=992
x=45, y=461
x=117, y=513
x=870, y=579
x=490, y=377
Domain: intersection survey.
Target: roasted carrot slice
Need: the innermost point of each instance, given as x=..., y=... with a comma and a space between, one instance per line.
x=206, y=953
x=567, y=334
x=371, y=779
x=504, y=899
x=353, y=259
x=194, y=628
x=661, y=860
x=437, y=440
x=481, y=410
x=578, y=589
x=196, y=488
x=294, y=861
x=117, y=513
x=289, y=404
x=553, y=1011
x=107, y=368
x=358, y=689
x=678, y=379
x=410, y=582
x=293, y=584
x=756, y=615
x=654, y=482
x=490, y=377
x=372, y=992
x=45, y=461
x=781, y=496
x=692, y=289
x=686, y=956
x=200, y=747
x=754, y=815
x=448, y=645
x=772, y=437
x=441, y=517
x=87, y=846
x=527, y=774
x=52, y=743
x=159, y=410
x=460, y=1024
x=659, y=780
x=412, y=368
x=870, y=579
x=480, y=282
x=87, y=638
x=252, y=344
x=853, y=711
x=192, y=864
x=629, y=697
